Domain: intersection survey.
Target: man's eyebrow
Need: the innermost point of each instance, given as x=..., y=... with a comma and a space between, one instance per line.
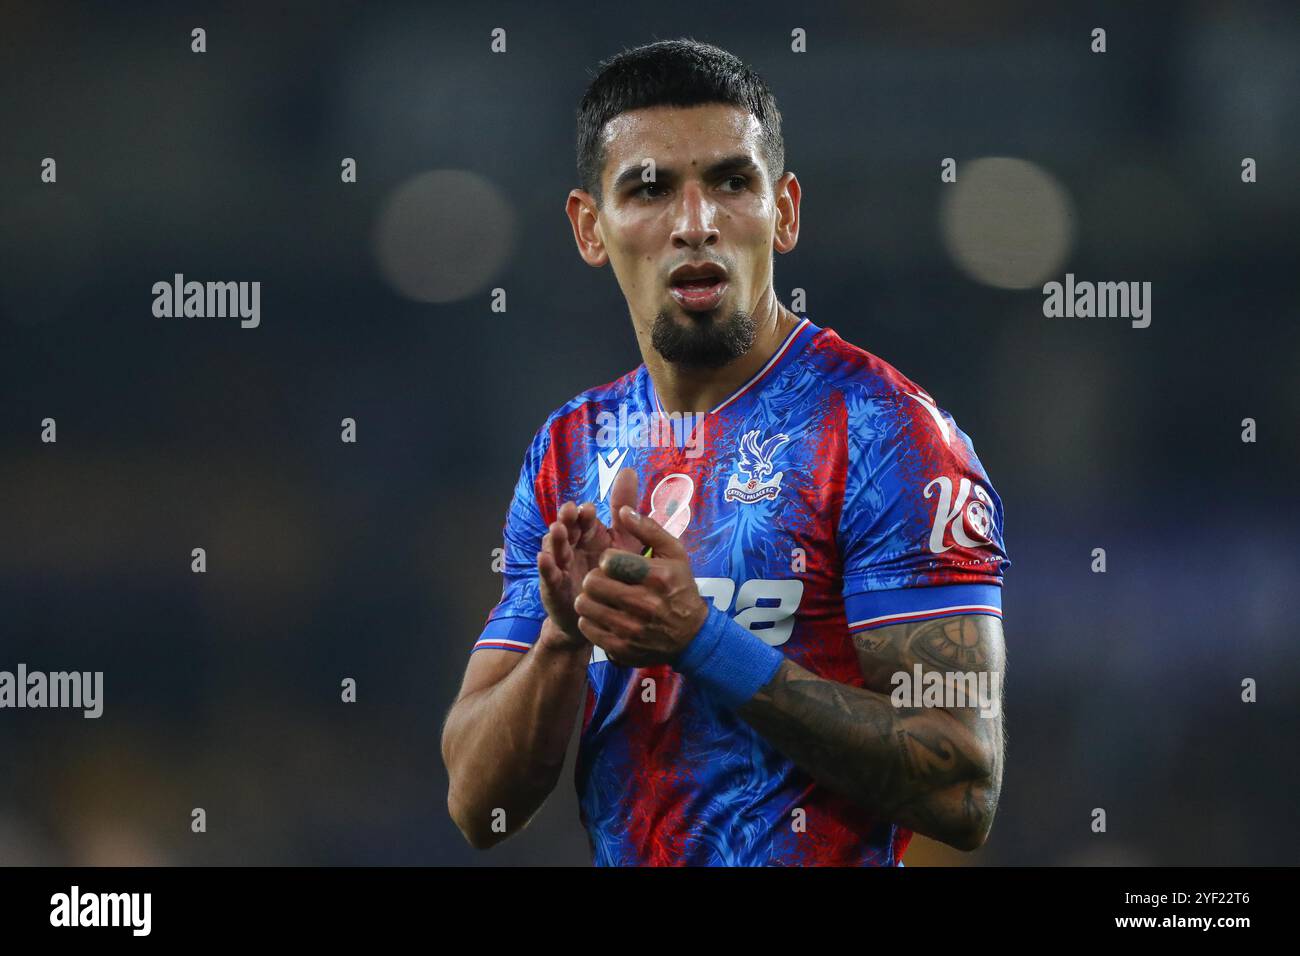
x=741, y=162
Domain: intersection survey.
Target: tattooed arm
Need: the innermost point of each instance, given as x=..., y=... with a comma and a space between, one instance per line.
x=932, y=770
x=936, y=771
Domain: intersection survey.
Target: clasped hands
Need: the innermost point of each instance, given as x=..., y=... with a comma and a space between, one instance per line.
x=599, y=588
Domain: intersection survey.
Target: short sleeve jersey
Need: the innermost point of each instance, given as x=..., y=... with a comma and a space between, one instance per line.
x=827, y=495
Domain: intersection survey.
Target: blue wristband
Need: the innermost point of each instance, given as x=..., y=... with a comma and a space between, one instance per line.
x=728, y=659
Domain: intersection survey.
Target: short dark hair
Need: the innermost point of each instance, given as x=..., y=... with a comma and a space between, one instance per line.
x=680, y=72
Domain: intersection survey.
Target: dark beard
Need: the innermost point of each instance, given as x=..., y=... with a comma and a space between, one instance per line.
x=703, y=343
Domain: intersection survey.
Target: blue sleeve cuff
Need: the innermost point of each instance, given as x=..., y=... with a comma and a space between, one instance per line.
x=872, y=609
x=509, y=634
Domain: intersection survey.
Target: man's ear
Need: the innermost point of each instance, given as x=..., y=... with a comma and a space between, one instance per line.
x=788, y=194
x=582, y=212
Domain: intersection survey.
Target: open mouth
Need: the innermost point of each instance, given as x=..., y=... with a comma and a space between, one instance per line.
x=698, y=288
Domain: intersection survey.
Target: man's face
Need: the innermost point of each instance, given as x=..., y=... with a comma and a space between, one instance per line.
x=692, y=249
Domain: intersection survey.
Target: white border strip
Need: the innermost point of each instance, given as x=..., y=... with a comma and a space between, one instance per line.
x=908, y=615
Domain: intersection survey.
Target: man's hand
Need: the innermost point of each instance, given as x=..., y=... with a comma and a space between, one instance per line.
x=572, y=546
x=641, y=611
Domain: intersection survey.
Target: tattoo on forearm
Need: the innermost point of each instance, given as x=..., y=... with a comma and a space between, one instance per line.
x=936, y=771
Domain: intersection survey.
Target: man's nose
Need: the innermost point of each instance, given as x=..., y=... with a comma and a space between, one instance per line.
x=695, y=219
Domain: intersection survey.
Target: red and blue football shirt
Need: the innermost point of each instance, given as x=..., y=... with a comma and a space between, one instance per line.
x=828, y=495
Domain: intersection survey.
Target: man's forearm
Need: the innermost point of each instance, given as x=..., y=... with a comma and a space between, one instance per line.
x=934, y=770
x=920, y=767
x=504, y=745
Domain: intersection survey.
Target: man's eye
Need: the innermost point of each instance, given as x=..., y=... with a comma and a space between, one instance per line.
x=742, y=181
x=647, y=186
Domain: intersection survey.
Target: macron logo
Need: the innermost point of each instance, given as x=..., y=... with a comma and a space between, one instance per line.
x=609, y=465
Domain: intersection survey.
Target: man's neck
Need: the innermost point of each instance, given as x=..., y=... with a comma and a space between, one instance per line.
x=683, y=389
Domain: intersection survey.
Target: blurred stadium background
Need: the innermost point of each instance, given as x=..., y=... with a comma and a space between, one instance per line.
x=374, y=560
